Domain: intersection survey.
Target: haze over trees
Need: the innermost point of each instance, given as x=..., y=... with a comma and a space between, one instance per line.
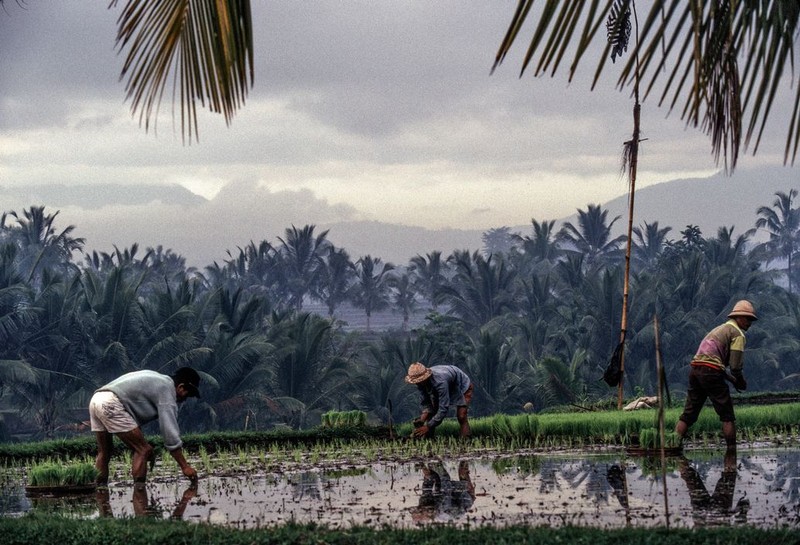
x=284, y=331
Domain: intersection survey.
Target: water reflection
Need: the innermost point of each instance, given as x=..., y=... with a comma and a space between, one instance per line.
x=712, y=509
x=142, y=505
x=609, y=490
x=443, y=499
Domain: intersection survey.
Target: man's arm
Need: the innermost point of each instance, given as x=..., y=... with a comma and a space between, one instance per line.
x=187, y=470
x=443, y=392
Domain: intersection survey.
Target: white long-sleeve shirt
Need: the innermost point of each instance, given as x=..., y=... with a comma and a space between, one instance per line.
x=147, y=396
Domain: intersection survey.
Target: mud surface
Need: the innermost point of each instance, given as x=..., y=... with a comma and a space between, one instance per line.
x=755, y=488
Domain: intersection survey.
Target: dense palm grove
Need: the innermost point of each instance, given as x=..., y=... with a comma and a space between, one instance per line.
x=532, y=318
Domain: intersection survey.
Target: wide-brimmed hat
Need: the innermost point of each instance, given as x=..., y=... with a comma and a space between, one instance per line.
x=743, y=308
x=190, y=380
x=417, y=373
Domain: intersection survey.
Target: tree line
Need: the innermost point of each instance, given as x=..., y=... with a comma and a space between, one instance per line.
x=533, y=319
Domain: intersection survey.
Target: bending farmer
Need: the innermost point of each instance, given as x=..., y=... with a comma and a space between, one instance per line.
x=440, y=386
x=722, y=348
x=125, y=404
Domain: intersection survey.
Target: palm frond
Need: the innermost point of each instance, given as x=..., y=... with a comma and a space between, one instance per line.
x=205, y=47
x=693, y=50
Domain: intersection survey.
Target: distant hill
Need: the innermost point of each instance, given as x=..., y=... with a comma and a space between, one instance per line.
x=709, y=203
x=109, y=215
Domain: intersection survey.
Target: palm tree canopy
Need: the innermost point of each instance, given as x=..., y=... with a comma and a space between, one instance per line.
x=721, y=62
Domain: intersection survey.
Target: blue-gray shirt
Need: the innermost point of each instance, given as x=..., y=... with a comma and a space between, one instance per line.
x=445, y=387
x=148, y=395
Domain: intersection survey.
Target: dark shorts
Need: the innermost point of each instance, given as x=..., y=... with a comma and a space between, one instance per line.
x=707, y=383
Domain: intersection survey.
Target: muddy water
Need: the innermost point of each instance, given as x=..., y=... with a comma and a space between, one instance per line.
x=756, y=488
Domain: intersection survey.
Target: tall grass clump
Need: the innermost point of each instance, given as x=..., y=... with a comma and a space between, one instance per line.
x=650, y=438
x=344, y=419
x=49, y=473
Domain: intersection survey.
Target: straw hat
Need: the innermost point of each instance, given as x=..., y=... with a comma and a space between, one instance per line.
x=743, y=308
x=417, y=373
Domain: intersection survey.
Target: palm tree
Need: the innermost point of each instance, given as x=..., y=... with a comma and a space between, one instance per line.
x=648, y=244
x=705, y=41
x=542, y=246
x=782, y=222
x=592, y=236
x=55, y=346
x=482, y=288
x=371, y=291
x=310, y=374
x=429, y=276
x=41, y=246
x=556, y=382
x=380, y=383
x=403, y=295
x=16, y=314
x=725, y=250
x=301, y=254
x=498, y=240
x=336, y=277
x=258, y=269
x=234, y=359
x=495, y=372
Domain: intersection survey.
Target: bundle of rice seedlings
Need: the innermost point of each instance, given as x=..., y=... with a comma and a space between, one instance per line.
x=50, y=473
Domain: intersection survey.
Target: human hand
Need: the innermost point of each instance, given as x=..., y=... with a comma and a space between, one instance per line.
x=190, y=472
x=739, y=382
x=421, y=431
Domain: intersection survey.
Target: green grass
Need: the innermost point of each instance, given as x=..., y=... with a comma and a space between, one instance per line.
x=778, y=423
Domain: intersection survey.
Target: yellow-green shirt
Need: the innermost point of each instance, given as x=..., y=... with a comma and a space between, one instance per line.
x=722, y=347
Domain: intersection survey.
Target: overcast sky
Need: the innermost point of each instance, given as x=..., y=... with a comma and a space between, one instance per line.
x=360, y=111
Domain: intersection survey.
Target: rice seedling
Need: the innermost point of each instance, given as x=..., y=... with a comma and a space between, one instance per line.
x=344, y=419
x=650, y=438
x=52, y=474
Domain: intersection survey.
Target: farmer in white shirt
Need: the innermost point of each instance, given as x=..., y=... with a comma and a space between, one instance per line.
x=125, y=404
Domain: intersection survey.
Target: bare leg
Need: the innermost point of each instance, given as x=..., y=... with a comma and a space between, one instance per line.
x=142, y=452
x=461, y=415
x=729, y=432
x=104, y=447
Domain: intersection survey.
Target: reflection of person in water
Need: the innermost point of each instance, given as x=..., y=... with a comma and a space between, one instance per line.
x=141, y=504
x=717, y=507
x=618, y=481
x=442, y=498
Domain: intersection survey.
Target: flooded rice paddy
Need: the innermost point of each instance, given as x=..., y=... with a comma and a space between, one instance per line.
x=758, y=488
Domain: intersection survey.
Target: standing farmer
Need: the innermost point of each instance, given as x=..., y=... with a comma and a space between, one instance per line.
x=125, y=404
x=721, y=349
x=440, y=386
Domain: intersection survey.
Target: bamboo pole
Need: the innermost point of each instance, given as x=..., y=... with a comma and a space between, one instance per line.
x=661, y=431
x=633, y=156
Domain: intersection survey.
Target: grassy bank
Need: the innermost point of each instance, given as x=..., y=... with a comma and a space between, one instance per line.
x=33, y=530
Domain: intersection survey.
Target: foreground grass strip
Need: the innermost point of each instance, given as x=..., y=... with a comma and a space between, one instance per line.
x=34, y=530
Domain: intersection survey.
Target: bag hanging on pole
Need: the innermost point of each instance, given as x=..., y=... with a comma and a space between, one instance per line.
x=613, y=373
